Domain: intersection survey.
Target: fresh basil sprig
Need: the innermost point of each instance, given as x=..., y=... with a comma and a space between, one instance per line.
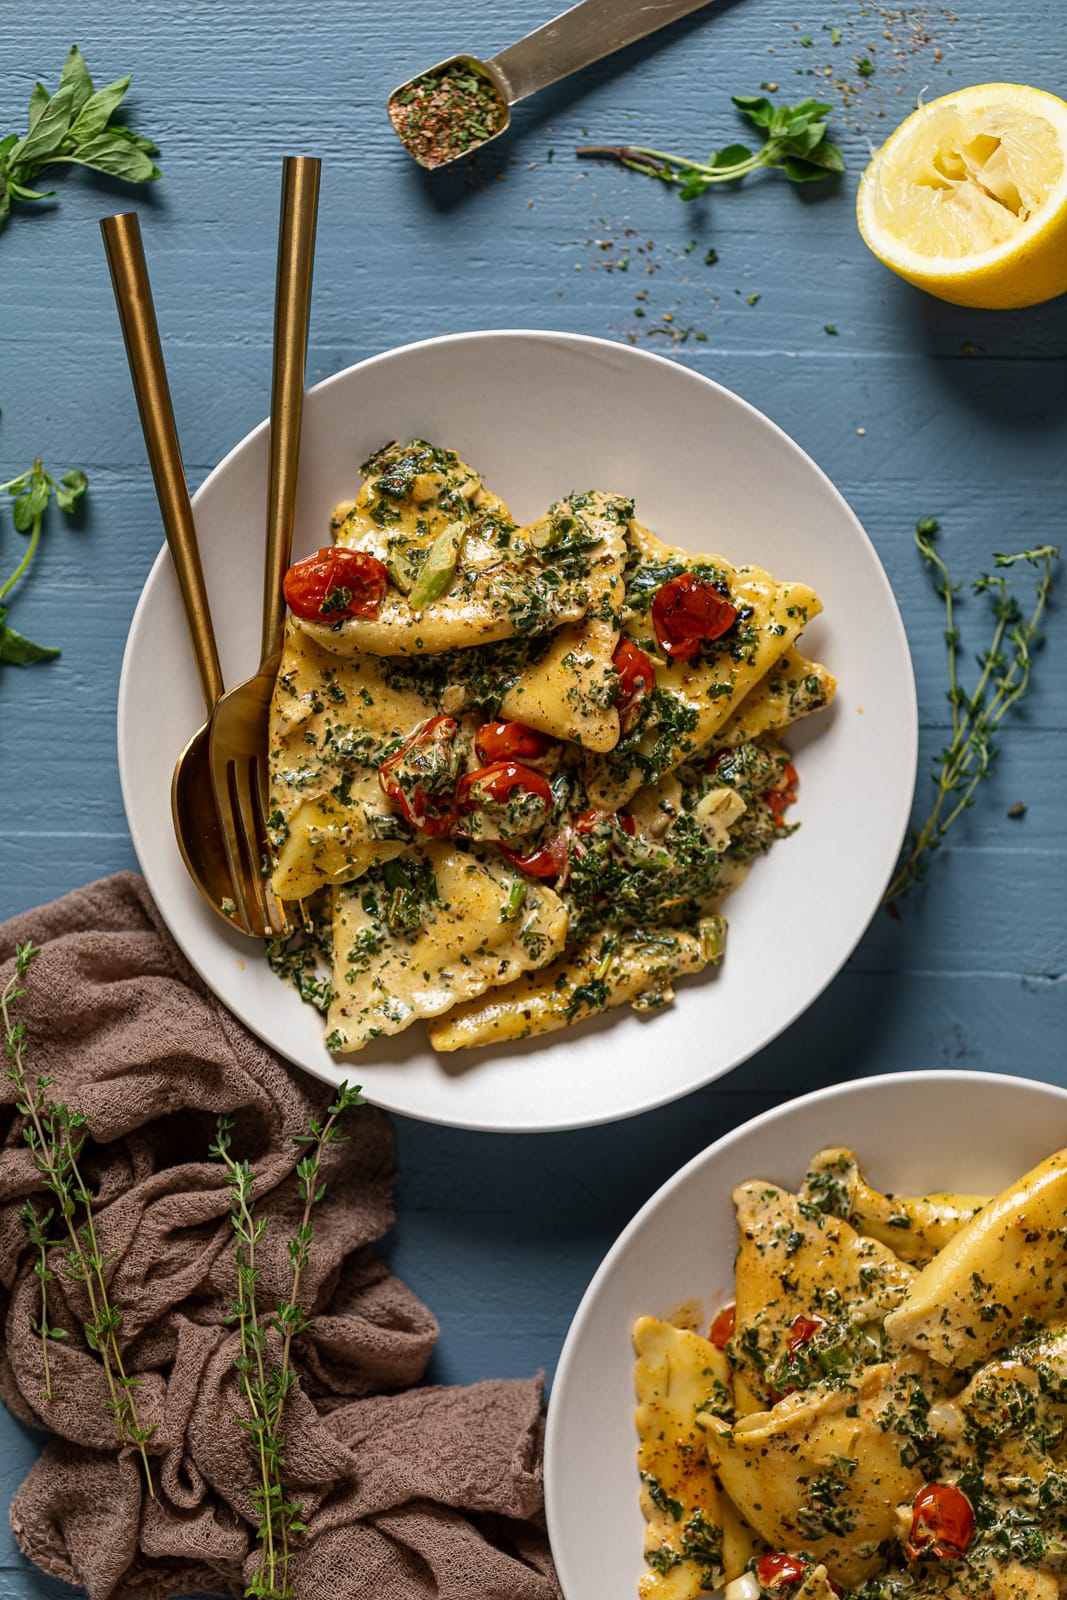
x=32, y=492
x=796, y=144
x=73, y=126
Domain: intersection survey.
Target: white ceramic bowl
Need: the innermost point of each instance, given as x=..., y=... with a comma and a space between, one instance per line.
x=913, y=1132
x=542, y=414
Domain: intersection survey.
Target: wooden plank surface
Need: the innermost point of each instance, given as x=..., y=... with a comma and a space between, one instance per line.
x=914, y=408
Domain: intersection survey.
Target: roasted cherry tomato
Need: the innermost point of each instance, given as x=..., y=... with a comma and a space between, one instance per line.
x=498, y=780
x=335, y=583
x=722, y=1329
x=547, y=861
x=942, y=1522
x=510, y=741
x=801, y=1329
x=780, y=800
x=420, y=777
x=779, y=1571
x=637, y=679
x=686, y=612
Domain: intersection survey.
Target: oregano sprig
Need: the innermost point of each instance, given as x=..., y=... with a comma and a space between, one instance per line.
x=264, y=1384
x=796, y=144
x=56, y=1135
x=1004, y=678
x=74, y=126
x=33, y=492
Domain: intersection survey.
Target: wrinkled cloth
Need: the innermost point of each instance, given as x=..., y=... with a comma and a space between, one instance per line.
x=408, y=1492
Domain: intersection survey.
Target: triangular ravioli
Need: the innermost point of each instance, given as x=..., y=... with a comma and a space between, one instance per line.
x=792, y=1259
x=694, y=699
x=434, y=926
x=498, y=581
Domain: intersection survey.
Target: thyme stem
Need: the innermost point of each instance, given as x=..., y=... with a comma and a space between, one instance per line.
x=1002, y=684
x=55, y=1136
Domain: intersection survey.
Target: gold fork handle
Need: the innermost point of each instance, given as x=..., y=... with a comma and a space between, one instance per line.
x=133, y=296
x=292, y=309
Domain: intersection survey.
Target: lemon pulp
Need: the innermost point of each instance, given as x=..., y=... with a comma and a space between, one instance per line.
x=964, y=181
x=968, y=198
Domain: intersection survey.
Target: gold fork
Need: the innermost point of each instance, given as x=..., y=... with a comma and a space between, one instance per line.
x=238, y=738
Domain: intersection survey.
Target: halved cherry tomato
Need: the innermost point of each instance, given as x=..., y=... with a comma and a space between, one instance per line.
x=510, y=741
x=687, y=611
x=942, y=1522
x=637, y=679
x=547, y=861
x=801, y=1330
x=722, y=1329
x=497, y=781
x=419, y=777
x=779, y=1571
x=335, y=583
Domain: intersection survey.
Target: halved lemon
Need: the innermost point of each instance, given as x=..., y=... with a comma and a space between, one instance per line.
x=968, y=198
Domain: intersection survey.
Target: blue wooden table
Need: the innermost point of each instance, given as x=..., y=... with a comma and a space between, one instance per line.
x=914, y=408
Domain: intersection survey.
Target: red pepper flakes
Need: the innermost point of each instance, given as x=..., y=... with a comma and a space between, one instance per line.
x=447, y=112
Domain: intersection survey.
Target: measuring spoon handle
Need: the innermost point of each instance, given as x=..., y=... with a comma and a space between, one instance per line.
x=585, y=33
x=133, y=296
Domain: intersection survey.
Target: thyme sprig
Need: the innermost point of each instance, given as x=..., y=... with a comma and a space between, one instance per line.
x=796, y=144
x=32, y=493
x=265, y=1384
x=56, y=1136
x=1005, y=668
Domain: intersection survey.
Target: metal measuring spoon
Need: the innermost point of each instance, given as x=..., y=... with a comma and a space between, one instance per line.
x=463, y=103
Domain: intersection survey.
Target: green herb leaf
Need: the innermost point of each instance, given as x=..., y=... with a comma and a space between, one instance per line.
x=115, y=154
x=49, y=131
x=797, y=145
x=95, y=114
x=39, y=98
x=31, y=493
x=76, y=73
x=18, y=650
x=74, y=126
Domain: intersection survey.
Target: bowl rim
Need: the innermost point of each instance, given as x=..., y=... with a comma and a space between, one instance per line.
x=850, y=1087
x=618, y=352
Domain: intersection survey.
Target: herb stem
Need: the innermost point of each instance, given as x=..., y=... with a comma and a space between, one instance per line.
x=970, y=756
x=31, y=549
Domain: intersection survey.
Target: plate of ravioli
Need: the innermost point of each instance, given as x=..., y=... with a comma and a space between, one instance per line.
x=829, y=1359
x=592, y=744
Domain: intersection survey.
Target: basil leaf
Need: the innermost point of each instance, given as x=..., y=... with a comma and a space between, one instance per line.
x=112, y=153
x=20, y=651
x=5, y=206
x=76, y=73
x=7, y=145
x=39, y=98
x=95, y=114
x=49, y=131
x=18, y=191
x=146, y=145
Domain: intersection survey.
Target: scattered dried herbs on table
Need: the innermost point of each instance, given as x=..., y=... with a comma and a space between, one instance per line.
x=447, y=112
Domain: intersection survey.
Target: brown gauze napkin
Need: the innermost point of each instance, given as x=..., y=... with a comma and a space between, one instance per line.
x=408, y=1492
